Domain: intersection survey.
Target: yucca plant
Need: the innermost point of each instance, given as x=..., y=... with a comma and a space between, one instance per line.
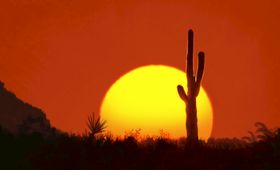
x=95, y=126
x=263, y=132
x=251, y=138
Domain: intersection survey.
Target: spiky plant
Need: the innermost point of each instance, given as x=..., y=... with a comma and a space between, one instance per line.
x=263, y=132
x=95, y=126
x=194, y=81
x=251, y=139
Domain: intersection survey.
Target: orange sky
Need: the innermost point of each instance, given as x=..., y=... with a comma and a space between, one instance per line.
x=63, y=55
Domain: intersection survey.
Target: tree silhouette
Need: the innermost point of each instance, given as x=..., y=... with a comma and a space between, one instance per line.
x=193, y=90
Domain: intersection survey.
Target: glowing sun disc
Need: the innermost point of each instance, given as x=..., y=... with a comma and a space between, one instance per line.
x=147, y=98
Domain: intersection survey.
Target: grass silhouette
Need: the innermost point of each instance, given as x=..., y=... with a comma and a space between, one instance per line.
x=74, y=151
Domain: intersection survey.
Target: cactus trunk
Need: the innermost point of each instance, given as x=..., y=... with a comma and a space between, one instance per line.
x=191, y=122
x=189, y=98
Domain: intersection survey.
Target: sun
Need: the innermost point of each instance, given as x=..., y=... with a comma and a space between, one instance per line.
x=146, y=98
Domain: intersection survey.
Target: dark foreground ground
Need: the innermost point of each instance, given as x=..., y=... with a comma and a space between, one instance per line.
x=67, y=152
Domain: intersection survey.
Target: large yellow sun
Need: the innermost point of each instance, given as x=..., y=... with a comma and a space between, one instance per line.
x=146, y=98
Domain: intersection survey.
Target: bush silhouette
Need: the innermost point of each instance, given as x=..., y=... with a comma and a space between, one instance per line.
x=72, y=151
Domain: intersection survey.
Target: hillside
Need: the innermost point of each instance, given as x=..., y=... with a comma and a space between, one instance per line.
x=18, y=116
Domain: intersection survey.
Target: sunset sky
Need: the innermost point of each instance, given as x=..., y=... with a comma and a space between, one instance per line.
x=62, y=56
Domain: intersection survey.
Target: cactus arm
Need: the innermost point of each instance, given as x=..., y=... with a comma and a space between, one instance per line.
x=200, y=69
x=182, y=93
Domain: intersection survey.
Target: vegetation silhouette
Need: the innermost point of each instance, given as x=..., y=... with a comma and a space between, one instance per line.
x=74, y=151
x=194, y=82
x=95, y=126
x=262, y=133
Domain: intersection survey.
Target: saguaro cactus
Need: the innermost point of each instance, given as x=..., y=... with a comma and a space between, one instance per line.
x=193, y=90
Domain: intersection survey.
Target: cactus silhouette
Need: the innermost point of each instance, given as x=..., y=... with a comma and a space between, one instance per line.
x=193, y=85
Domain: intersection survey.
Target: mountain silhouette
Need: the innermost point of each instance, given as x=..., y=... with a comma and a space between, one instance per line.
x=19, y=117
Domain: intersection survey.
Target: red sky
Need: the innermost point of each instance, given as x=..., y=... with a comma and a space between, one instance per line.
x=63, y=55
